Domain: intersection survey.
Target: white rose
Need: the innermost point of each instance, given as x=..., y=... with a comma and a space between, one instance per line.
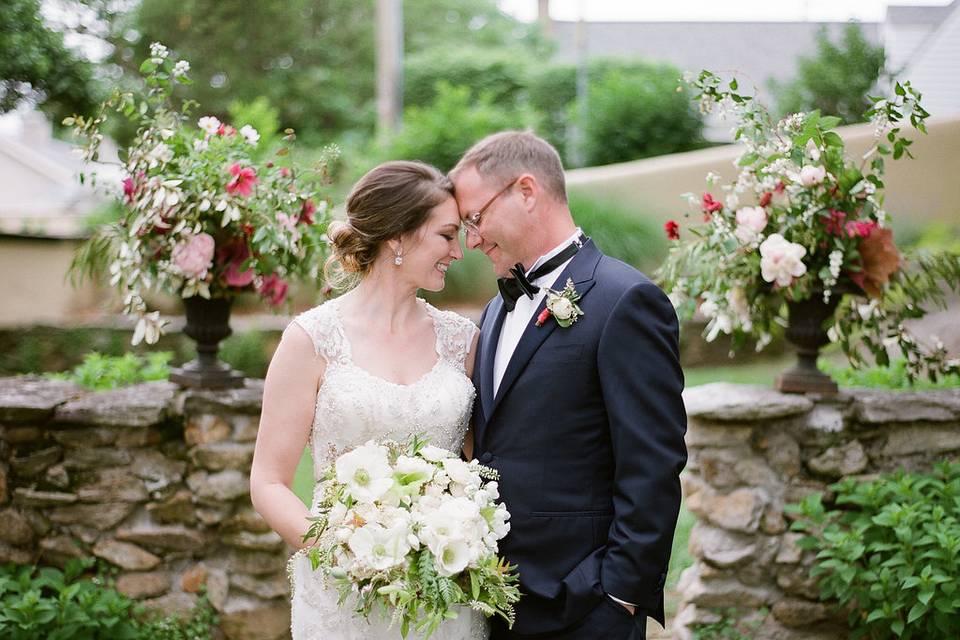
x=780, y=260
x=561, y=307
x=811, y=175
x=435, y=454
x=461, y=472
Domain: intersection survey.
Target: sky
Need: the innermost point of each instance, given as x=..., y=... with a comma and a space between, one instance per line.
x=708, y=10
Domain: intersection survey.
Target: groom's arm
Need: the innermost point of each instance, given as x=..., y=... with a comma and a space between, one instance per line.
x=641, y=379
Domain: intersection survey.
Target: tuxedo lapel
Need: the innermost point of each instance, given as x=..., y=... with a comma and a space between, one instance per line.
x=489, y=337
x=580, y=270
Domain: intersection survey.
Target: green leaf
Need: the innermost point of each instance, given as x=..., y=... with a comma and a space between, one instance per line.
x=148, y=66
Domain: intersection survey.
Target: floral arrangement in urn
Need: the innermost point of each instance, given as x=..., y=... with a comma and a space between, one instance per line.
x=801, y=239
x=202, y=217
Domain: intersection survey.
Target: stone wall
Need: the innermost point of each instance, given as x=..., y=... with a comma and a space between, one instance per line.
x=752, y=450
x=153, y=480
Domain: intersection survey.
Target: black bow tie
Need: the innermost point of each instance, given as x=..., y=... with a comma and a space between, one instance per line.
x=522, y=285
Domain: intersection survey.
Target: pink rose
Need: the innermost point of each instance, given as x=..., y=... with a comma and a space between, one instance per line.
x=232, y=255
x=194, y=255
x=273, y=289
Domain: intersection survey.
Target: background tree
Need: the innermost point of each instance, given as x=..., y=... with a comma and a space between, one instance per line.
x=836, y=80
x=314, y=61
x=35, y=65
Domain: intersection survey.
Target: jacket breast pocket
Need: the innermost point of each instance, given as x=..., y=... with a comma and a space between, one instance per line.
x=560, y=353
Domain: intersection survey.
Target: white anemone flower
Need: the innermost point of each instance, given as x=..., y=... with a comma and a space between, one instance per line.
x=380, y=548
x=452, y=558
x=366, y=472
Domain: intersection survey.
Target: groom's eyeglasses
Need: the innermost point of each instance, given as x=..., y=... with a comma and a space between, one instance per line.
x=472, y=221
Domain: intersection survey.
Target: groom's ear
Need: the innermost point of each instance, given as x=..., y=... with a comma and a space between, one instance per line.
x=530, y=190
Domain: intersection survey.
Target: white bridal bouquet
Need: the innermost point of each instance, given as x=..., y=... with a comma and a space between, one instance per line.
x=414, y=529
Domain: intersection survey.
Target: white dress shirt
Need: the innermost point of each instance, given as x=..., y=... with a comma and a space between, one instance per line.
x=517, y=321
x=522, y=315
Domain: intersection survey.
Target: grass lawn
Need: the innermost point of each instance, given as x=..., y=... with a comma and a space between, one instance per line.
x=761, y=372
x=303, y=478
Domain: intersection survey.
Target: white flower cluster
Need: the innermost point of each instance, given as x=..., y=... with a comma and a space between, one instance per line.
x=158, y=52
x=382, y=510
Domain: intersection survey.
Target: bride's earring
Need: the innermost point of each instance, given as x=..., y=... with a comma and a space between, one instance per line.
x=398, y=260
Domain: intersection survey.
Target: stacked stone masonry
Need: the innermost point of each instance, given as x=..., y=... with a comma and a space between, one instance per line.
x=753, y=450
x=151, y=479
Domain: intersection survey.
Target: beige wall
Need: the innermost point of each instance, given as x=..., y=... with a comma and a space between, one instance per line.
x=33, y=284
x=924, y=189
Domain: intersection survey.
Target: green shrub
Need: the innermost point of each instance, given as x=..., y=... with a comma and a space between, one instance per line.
x=100, y=372
x=499, y=74
x=249, y=352
x=620, y=233
x=837, y=80
x=730, y=626
x=889, y=553
x=636, y=112
x=262, y=116
x=892, y=377
x=44, y=603
x=49, y=604
x=440, y=132
x=551, y=90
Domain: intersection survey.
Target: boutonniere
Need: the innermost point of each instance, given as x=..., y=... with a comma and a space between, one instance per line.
x=562, y=306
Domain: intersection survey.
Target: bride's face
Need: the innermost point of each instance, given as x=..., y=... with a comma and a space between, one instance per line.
x=433, y=247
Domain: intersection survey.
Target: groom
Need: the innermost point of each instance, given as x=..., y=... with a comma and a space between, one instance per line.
x=584, y=422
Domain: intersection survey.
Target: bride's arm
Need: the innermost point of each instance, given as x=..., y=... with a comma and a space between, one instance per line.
x=289, y=397
x=468, y=365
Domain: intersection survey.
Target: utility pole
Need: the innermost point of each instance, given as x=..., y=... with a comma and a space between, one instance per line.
x=543, y=16
x=577, y=131
x=389, y=34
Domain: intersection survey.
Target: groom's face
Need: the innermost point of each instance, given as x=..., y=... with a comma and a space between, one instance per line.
x=494, y=235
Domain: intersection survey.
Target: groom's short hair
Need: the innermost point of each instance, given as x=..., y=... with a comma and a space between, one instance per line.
x=504, y=156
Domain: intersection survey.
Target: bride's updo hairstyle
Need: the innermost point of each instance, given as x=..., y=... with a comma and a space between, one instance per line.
x=390, y=200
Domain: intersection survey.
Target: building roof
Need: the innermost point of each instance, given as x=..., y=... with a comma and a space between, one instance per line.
x=41, y=194
x=756, y=51
x=911, y=14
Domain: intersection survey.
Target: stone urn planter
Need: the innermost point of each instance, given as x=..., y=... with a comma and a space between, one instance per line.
x=208, y=322
x=806, y=332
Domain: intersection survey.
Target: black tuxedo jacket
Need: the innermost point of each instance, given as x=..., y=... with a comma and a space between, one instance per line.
x=587, y=432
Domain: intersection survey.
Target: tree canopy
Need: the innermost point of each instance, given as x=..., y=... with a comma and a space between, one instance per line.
x=837, y=79
x=36, y=65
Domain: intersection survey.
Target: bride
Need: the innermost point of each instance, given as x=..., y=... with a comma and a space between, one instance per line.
x=375, y=363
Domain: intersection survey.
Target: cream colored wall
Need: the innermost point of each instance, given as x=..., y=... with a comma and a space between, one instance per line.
x=33, y=285
x=920, y=190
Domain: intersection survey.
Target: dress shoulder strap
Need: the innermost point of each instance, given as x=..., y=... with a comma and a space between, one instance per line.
x=322, y=325
x=454, y=335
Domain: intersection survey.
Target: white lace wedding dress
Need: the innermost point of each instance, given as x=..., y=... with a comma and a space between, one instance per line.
x=354, y=406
